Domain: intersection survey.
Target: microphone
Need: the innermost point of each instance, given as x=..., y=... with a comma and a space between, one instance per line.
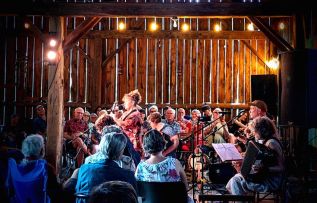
x=224, y=112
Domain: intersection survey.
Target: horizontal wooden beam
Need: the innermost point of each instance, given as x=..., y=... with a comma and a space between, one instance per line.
x=168, y=34
x=272, y=8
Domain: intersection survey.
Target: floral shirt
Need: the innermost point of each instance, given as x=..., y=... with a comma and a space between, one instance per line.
x=164, y=171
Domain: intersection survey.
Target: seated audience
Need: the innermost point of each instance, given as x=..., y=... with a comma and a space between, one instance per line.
x=158, y=168
x=113, y=191
x=93, y=174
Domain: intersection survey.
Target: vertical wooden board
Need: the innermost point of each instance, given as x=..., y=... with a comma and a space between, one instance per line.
x=236, y=66
x=229, y=74
x=238, y=24
x=159, y=76
x=180, y=73
x=122, y=71
x=74, y=78
x=111, y=74
x=165, y=75
x=222, y=73
x=261, y=51
x=207, y=71
x=66, y=75
x=248, y=64
x=193, y=78
x=141, y=68
x=187, y=83
x=81, y=71
x=214, y=71
x=37, y=67
x=252, y=70
x=132, y=65
x=22, y=68
x=173, y=76
x=91, y=53
x=151, y=73
x=242, y=54
x=10, y=60
x=203, y=24
x=200, y=71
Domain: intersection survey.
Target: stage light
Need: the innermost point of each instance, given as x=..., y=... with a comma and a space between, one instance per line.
x=51, y=55
x=52, y=43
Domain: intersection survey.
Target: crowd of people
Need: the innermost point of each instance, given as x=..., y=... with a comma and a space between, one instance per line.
x=116, y=148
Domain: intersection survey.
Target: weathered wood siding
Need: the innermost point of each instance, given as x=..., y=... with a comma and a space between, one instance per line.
x=167, y=71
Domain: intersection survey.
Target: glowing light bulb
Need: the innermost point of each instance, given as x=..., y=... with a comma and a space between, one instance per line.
x=217, y=28
x=51, y=55
x=153, y=26
x=281, y=26
x=52, y=42
x=250, y=27
x=121, y=26
x=185, y=27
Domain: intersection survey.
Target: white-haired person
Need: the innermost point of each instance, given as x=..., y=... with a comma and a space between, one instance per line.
x=33, y=149
x=90, y=175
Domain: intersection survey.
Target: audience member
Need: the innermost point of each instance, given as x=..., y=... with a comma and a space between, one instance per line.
x=113, y=191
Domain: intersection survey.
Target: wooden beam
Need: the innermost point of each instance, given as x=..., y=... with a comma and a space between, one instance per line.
x=109, y=57
x=168, y=34
x=272, y=8
x=254, y=51
x=280, y=43
x=55, y=99
x=79, y=32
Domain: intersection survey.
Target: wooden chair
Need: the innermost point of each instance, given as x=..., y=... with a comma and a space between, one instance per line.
x=226, y=198
x=162, y=192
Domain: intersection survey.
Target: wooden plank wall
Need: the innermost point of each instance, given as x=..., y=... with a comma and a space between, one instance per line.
x=175, y=72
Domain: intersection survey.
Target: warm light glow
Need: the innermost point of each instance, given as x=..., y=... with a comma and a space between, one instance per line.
x=51, y=55
x=121, y=26
x=273, y=63
x=250, y=27
x=185, y=27
x=175, y=25
x=281, y=26
x=153, y=26
x=26, y=25
x=52, y=42
x=217, y=27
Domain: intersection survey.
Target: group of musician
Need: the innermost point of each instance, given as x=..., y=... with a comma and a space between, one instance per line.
x=182, y=133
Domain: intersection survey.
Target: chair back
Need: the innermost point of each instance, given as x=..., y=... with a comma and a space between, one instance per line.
x=28, y=181
x=162, y=192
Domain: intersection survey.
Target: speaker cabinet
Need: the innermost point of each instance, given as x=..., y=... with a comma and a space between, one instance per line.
x=264, y=87
x=299, y=88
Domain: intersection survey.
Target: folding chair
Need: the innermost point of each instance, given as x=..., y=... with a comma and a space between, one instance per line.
x=27, y=182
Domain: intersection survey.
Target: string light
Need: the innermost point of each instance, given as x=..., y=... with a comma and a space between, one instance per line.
x=250, y=27
x=281, y=26
x=185, y=27
x=217, y=27
x=121, y=26
x=153, y=26
x=273, y=63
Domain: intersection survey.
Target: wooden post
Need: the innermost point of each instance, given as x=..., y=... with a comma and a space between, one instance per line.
x=96, y=72
x=55, y=98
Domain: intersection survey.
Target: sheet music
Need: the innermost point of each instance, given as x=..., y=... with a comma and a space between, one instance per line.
x=227, y=151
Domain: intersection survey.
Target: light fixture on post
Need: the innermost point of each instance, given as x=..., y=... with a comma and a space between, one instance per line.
x=52, y=52
x=175, y=21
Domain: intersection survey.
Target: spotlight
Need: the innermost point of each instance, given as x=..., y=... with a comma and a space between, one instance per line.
x=51, y=55
x=52, y=43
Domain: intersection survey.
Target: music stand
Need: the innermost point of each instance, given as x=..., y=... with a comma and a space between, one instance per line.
x=227, y=152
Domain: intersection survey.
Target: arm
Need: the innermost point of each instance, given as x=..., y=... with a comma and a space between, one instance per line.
x=175, y=141
x=182, y=173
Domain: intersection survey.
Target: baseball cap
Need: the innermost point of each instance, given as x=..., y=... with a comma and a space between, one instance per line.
x=260, y=104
